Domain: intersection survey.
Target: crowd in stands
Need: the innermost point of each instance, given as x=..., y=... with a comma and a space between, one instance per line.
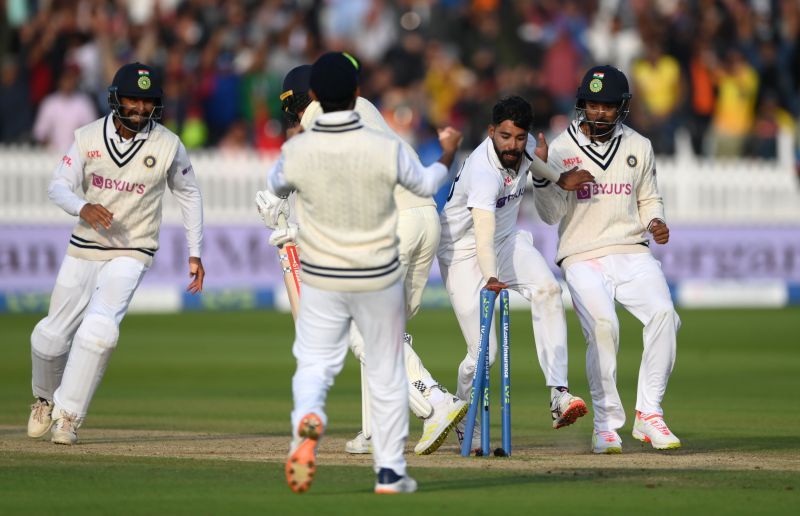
x=727, y=72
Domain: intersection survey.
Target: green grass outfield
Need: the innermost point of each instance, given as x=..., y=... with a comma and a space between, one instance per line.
x=192, y=418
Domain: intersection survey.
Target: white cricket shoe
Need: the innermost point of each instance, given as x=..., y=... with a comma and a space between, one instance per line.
x=565, y=408
x=41, y=419
x=476, y=436
x=390, y=482
x=447, y=413
x=606, y=441
x=359, y=444
x=65, y=427
x=651, y=428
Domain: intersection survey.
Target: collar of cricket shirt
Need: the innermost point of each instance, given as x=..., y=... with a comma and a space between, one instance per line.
x=601, y=153
x=337, y=122
x=120, y=150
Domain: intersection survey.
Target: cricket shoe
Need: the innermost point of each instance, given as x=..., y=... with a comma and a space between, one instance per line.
x=606, y=441
x=65, y=427
x=301, y=465
x=359, y=444
x=41, y=418
x=446, y=414
x=565, y=408
x=460, y=429
x=651, y=428
x=390, y=482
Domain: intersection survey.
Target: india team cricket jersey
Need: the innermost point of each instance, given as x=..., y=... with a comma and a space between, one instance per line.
x=484, y=183
x=608, y=217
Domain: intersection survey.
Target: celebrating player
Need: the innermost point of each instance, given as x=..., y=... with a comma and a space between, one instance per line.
x=480, y=248
x=603, y=251
x=418, y=233
x=113, y=177
x=351, y=270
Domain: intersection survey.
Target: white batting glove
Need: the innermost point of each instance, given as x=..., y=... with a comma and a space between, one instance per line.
x=281, y=237
x=271, y=207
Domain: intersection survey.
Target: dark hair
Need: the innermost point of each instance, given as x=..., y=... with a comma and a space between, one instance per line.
x=513, y=108
x=329, y=106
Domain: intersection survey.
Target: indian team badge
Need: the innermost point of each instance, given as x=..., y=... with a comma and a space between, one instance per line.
x=150, y=161
x=596, y=84
x=632, y=161
x=144, y=80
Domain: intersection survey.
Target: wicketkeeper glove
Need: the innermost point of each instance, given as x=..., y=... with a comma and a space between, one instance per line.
x=281, y=237
x=271, y=207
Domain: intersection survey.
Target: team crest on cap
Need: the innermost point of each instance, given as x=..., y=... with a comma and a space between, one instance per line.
x=596, y=84
x=632, y=161
x=144, y=79
x=149, y=161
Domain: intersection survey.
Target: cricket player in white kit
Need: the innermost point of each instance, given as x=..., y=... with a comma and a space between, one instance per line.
x=603, y=251
x=481, y=248
x=344, y=175
x=113, y=178
x=418, y=232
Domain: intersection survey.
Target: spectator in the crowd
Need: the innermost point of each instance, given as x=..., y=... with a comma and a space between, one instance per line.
x=657, y=82
x=734, y=110
x=15, y=104
x=701, y=94
x=63, y=111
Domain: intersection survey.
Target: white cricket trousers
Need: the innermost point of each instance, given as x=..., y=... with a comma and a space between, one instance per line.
x=71, y=347
x=320, y=347
x=524, y=269
x=637, y=283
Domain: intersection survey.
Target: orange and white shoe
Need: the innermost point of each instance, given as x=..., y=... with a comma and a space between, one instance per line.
x=651, y=428
x=301, y=465
x=606, y=441
x=565, y=408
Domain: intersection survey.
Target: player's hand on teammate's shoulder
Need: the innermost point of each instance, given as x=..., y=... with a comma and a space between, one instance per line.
x=450, y=139
x=197, y=273
x=660, y=231
x=574, y=179
x=97, y=216
x=495, y=285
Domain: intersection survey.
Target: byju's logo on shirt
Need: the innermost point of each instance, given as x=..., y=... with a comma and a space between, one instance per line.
x=116, y=184
x=589, y=191
x=504, y=200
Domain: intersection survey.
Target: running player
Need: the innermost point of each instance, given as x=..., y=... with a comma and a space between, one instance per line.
x=113, y=178
x=418, y=232
x=350, y=269
x=604, y=252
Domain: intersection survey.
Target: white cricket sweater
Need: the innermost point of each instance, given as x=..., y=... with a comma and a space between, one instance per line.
x=129, y=180
x=344, y=175
x=372, y=118
x=611, y=216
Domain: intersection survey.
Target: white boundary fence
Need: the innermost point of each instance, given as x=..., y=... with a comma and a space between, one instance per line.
x=740, y=192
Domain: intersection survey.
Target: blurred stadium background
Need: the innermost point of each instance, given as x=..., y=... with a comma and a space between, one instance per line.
x=716, y=87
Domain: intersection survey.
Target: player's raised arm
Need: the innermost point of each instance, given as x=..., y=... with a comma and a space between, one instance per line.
x=426, y=181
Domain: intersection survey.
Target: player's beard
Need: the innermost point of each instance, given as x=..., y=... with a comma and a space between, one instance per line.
x=509, y=158
x=138, y=125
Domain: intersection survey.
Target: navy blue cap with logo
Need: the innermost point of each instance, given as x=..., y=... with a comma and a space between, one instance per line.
x=605, y=84
x=136, y=81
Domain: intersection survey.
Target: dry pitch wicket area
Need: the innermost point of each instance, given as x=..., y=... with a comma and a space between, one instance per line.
x=192, y=417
